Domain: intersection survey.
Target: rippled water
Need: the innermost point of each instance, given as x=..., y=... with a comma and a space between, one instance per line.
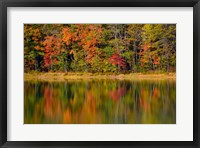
x=100, y=102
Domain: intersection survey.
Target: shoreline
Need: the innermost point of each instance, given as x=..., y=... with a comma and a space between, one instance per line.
x=61, y=76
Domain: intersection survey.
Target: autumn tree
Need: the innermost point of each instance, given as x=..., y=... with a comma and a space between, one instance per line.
x=100, y=47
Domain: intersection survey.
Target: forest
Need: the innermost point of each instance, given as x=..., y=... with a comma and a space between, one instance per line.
x=100, y=48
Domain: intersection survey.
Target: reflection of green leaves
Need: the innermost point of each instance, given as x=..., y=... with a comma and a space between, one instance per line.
x=100, y=101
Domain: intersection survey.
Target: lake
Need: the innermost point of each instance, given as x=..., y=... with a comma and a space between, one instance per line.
x=100, y=102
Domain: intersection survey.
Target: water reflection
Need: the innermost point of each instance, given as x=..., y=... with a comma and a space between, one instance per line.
x=100, y=101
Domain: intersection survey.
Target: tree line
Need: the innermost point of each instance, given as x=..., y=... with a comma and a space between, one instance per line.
x=100, y=47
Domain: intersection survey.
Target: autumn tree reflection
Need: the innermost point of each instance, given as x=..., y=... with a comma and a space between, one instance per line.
x=100, y=101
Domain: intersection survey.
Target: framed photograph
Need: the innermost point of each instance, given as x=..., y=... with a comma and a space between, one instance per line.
x=99, y=73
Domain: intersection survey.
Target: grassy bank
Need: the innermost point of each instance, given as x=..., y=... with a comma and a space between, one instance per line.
x=74, y=76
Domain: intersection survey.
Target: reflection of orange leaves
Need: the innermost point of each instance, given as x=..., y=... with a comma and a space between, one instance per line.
x=144, y=104
x=90, y=96
x=144, y=93
x=72, y=101
x=156, y=93
x=67, y=116
x=117, y=94
x=52, y=106
x=37, y=111
x=48, y=101
x=90, y=104
x=143, y=100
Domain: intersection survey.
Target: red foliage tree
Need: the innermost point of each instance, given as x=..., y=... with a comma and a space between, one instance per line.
x=115, y=59
x=86, y=36
x=52, y=46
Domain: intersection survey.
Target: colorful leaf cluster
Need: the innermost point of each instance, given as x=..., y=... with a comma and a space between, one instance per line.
x=100, y=47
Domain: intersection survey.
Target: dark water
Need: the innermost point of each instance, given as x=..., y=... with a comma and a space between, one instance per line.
x=100, y=102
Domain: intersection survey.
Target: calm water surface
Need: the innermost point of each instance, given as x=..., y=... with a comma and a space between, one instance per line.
x=100, y=102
